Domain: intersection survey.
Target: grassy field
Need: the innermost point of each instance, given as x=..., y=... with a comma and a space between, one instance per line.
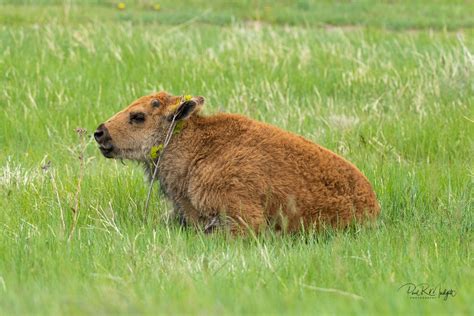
x=389, y=85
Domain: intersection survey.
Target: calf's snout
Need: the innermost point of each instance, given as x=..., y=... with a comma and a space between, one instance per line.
x=101, y=134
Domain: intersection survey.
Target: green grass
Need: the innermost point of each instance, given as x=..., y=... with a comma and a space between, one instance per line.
x=391, y=89
x=407, y=14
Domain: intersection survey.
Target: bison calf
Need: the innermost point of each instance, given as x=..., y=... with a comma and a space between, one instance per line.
x=227, y=170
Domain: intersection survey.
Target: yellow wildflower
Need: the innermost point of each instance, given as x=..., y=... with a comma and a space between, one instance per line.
x=155, y=150
x=121, y=6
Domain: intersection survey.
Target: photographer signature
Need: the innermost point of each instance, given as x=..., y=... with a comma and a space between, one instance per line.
x=426, y=291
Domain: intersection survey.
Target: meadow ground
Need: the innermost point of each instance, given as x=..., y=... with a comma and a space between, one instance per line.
x=389, y=85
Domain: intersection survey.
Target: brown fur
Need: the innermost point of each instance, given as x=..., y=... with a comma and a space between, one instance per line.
x=229, y=170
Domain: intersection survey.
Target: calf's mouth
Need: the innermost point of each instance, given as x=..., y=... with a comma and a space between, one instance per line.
x=107, y=150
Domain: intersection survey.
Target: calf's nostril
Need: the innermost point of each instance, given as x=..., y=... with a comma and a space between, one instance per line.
x=98, y=134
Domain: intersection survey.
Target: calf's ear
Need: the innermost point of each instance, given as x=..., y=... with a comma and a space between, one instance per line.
x=187, y=108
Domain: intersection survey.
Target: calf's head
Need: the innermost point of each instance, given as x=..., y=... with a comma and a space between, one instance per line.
x=132, y=132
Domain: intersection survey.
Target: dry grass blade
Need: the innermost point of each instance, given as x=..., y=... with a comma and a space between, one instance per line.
x=330, y=290
x=155, y=171
x=81, y=132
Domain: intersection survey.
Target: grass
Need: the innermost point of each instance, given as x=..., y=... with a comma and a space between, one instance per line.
x=438, y=14
x=391, y=90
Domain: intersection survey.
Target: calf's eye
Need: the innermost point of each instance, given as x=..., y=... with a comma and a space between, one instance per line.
x=137, y=117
